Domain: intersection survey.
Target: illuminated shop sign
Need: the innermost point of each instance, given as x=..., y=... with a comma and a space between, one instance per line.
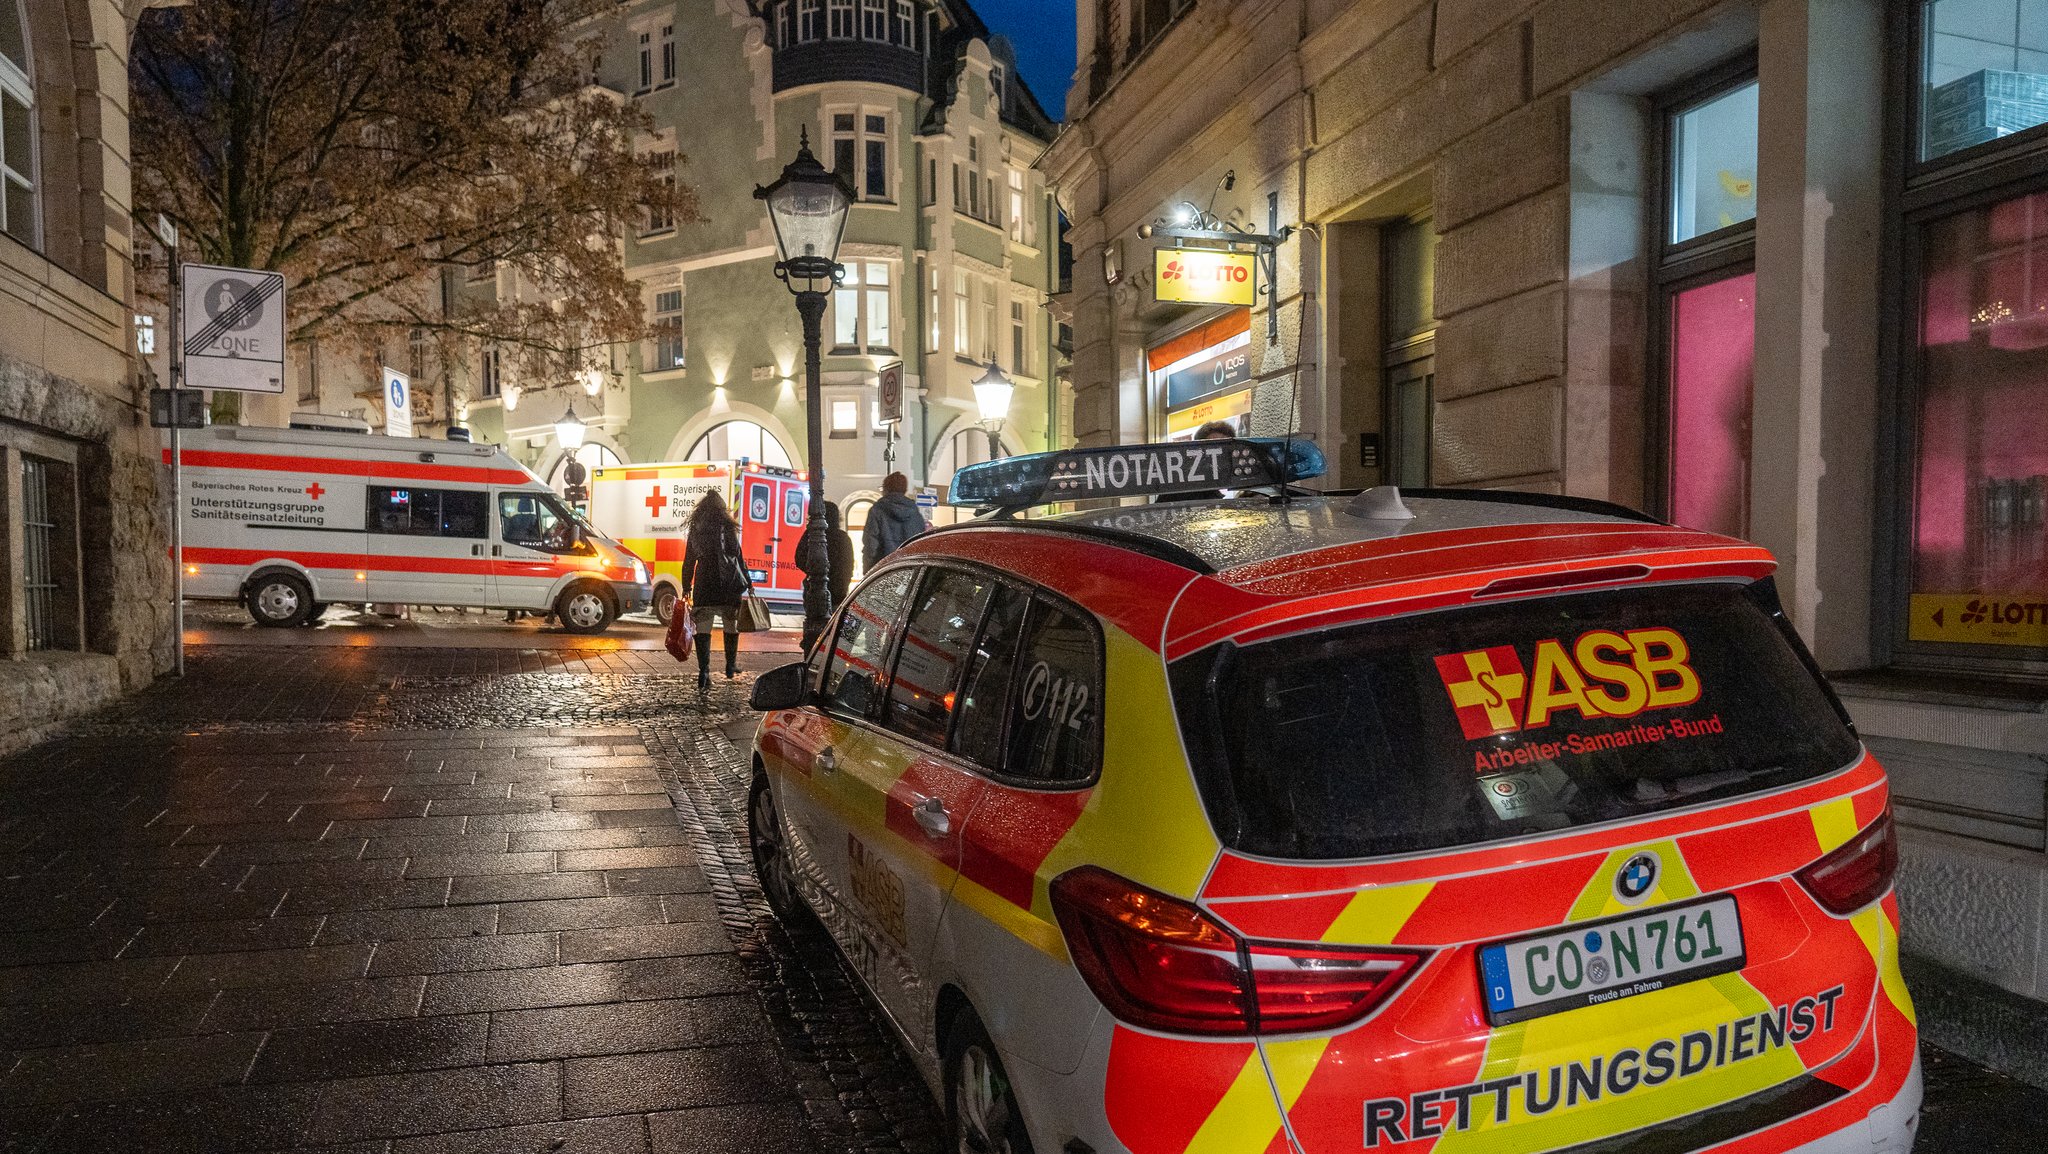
x=1197, y=276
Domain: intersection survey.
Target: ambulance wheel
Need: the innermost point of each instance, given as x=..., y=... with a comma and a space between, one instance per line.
x=771, y=858
x=665, y=603
x=279, y=600
x=586, y=609
x=981, y=1107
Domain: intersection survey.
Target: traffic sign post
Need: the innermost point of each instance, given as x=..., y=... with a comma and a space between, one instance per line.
x=892, y=409
x=397, y=402
x=233, y=332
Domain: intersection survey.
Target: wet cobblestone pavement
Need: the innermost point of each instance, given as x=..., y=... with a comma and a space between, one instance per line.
x=426, y=901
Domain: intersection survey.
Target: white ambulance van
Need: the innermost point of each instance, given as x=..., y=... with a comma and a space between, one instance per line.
x=289, y=521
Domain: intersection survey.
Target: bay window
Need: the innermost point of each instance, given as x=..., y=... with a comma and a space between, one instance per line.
x=842, y=19
x=861, y=151
x=862, y=309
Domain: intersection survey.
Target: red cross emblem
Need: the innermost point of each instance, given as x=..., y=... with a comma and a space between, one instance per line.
x=315, y=491
x=656, y=502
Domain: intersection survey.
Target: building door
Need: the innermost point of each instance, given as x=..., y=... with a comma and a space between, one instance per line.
x=1408, y=324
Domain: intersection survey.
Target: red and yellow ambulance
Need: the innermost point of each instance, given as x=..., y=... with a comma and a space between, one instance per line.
x=648, y=507
x=1399, y=822
x=288, y=521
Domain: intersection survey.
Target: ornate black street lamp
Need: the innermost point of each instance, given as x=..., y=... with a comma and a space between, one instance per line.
x=808, y=208
x=992, y=395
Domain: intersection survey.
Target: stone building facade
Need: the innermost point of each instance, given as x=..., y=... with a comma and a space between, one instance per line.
x=85, y=576
x=1764, y=266
x=951, y=250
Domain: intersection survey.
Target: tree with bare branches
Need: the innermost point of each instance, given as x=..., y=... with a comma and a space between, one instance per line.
x=361, y=147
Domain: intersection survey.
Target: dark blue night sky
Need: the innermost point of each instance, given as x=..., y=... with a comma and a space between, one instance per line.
x=1042, y=31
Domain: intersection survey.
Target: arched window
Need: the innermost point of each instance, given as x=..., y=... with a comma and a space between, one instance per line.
x=740, y=439
x=17, y=128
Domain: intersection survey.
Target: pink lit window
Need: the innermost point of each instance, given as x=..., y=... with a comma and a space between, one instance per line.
x=1981, y=466
x=1713, y=367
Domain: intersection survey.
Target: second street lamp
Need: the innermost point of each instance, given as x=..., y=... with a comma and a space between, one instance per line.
x=992, y=393
x=808, y=207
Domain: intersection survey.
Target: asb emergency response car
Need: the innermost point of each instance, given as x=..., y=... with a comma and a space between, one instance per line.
x=648, y=507
x=1398, y=822
x=288, y=521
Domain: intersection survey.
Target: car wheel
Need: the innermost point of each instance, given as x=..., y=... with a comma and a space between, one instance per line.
x=981, y=1107
x=771, y=857
x=279, y=600
x=665, y=603
x=585, y=609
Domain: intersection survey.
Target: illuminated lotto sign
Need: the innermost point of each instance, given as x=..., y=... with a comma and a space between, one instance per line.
x=1200, y=277
x=1136, y=471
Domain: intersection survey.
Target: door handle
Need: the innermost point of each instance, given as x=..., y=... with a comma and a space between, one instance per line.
x=932, y=816
x=827, y=760
x=476, y=550
x=497, y=550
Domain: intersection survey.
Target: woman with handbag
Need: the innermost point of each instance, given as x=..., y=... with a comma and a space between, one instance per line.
x=715, y=575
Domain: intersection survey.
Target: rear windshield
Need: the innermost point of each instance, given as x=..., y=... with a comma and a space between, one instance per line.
x=1457, y=728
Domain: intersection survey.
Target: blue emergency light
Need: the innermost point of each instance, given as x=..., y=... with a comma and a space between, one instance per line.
x=1135, y=471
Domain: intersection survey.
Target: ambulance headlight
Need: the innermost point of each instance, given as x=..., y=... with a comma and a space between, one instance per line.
x=639, y=573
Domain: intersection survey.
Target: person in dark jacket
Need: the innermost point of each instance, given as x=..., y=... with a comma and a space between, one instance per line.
x=838, y=553
x=716, y=577
x=893, y=520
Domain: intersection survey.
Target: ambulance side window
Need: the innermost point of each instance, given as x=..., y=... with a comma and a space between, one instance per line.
x=416, y=512
x=985, y=694
x=853, y=683
x=532, y=521
x=1056, y=701
x=942, y=623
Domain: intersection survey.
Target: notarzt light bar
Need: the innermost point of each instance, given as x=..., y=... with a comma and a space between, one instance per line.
x=1135, y=471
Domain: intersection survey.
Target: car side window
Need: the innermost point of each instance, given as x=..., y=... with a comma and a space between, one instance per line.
x=854, y=674
x=936, y=637
x=1056, y=703
x=984, y=706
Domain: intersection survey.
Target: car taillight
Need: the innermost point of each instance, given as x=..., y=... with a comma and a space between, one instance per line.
x=1159, y=962
x=1859, y=872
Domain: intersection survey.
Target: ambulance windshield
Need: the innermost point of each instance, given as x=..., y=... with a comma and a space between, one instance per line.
x=1458, y=728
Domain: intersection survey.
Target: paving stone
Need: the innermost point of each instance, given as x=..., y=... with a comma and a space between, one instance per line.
x=622, y=942
x=322, y=872
x=269, y=968
x=625, y=1134
x=408, y=924
x=616, y=818
x=748, y=1128
x=580, y=913
x=363, y=999
x=587, y=984
x=414, y=846
x=527, y=887
x=625, y=837
x=627, y=859
x=343, y=897
x=99, y=981
x=129, y=1069
x=396, y=1105
x=458, y=955
x=682, y=879
x=472, y=864
x=690, y=907
x=487, y=805
x=43, y=1025
x=333, y=849
x=624, y=1027
x=526, y=823
x=375, y=1047
x=399, y=827
x=592, y=803
x=677, y=1079
x=232, y=1118
x=169, y=938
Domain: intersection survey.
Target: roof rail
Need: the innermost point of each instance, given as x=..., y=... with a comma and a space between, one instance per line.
x=1539, y=500
x=1151, y=547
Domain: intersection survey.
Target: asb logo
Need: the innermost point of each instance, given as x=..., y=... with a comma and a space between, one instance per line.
x=1603, y=673
x=1637, y=877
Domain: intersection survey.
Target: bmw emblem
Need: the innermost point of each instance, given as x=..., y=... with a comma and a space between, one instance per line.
x=1637, y=877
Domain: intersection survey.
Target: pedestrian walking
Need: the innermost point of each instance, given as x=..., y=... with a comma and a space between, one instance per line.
x=1213, y=431
x=838, y=551
x=715, y=575
x=893, y=520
